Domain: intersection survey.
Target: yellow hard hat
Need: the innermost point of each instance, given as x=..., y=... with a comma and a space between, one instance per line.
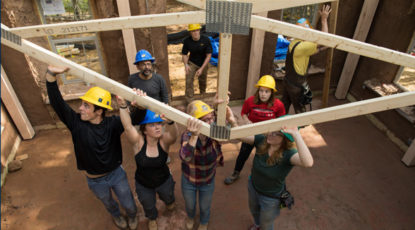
x=98, y=96
x=200, y=109
x=266, y=81
x=192, y=27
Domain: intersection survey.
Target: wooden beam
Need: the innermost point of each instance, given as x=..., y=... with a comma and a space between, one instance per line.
x=255, y=59
x=95, y=78
x=409, y=157
x=327, y=114
x=261, y=5
x=141, y=21
x=15, y=109
x=225, y=49
x=127, y=35
x=360, y=34
x=329, y=58
x=334, y=41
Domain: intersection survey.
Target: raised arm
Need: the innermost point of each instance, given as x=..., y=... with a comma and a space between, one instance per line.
x=303, y=157
x=132, y=134
x=189, y=140
x=170, y=133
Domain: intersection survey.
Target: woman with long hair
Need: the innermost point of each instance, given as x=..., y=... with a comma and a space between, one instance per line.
x=276, y=154
x=151, y=146
x=260, y=107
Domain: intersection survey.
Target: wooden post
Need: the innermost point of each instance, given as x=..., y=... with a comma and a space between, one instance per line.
x=15, y=109
x=225, y=47
x=329, y=58
x=409, y=157
x=360, y=34
x=255, y=59
x=128, y=35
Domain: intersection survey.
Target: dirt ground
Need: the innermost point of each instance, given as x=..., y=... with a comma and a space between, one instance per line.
x=357, y=182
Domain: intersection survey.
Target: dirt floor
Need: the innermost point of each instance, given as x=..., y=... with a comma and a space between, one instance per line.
x=357, y=182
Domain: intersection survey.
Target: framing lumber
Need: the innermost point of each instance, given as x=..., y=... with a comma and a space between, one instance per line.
x=360, y=34
x=255, y=59
x=409, y=158
x=329, y=58
x=95, y=78
x=141, y=21
x=127, y=34
x=225, y=50
x=333, y=41
x=327, y=114
x=261, y=5
x=15, y=109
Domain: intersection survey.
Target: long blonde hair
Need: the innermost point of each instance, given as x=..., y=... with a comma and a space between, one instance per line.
x=276, y=156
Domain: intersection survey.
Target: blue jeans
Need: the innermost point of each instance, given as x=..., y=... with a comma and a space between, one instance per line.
x=117, y=181
x=189, y=191
x=147, y=196
x=264, y=209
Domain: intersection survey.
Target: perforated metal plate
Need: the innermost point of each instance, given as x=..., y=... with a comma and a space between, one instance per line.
x=228, y=17
x=11, y=37
x=220, y=132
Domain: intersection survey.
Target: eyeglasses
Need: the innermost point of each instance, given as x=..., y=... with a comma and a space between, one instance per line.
x=206, y=119
x=274, y=134
x=149, y=64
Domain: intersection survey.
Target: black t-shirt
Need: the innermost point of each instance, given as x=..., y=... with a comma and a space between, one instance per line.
x=97, y=146
x=151, y=171
x=198, y=49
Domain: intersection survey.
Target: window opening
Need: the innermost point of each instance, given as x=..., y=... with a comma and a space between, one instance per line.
x=405, y=77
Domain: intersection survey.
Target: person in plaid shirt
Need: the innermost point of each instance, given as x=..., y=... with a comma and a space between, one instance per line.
x=200, y=156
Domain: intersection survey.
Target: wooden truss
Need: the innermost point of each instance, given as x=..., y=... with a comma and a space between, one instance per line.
x=257, y=22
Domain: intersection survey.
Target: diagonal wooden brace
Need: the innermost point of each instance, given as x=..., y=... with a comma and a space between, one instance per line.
x=95, y=78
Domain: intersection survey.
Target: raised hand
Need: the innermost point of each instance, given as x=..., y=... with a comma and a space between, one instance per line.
x=193, y=126
x=325, y=11
x=57, y=69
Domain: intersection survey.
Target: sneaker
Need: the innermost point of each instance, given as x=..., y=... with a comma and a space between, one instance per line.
x=152, y=225
x=202, y=227
x=254, y=227
x=189, y=223
x=232, y=178
x=132, y=223
x=171, y=206
x=120, y=221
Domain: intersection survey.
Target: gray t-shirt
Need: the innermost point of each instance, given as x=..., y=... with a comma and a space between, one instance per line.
x=155, y=87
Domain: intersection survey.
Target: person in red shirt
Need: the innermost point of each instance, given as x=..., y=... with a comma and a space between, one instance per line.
x=260, y=107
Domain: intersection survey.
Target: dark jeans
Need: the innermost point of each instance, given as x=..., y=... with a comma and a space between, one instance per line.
x=264, y=209
x=292, y=95
x=117, y=182
x=147, y=196
x=243, y=155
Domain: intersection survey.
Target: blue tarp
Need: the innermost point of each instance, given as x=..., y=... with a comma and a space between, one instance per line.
x=215, y=50
x=280, y=50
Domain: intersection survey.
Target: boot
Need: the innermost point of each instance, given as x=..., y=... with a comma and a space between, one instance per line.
x=232, y=178
x=132, y=223
x=152, y=225
x=189, y=223
x=120, y=221
x=202, y=227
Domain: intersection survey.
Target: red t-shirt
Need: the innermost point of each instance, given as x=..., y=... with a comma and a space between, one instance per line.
x=262, y=112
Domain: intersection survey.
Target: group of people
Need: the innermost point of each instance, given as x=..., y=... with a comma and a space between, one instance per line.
x=98, y=152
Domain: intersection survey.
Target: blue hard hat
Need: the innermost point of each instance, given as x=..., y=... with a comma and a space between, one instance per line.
x=143, y=55
x=151, y=117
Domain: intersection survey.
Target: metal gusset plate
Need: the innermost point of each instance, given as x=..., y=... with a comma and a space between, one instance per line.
x=228, y=17
x=11, y=37
x=220, y=132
